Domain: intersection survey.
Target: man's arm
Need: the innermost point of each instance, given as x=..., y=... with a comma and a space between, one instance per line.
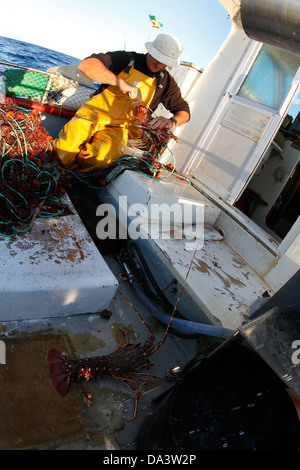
x=95, y=70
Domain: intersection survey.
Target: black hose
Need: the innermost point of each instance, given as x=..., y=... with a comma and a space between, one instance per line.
x=159, y=297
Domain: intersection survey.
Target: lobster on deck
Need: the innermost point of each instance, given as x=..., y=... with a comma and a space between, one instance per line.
x=122, y=364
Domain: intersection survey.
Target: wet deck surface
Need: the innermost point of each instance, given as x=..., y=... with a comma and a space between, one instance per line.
x=93, y=415
x=33, y=416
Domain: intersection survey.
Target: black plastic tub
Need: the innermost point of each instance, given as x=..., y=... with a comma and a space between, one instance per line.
x=231, y=400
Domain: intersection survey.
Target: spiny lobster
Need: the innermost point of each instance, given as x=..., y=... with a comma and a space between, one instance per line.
x=153, y=142
x=122, y=364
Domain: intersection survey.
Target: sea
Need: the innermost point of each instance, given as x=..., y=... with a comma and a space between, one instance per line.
x=30, y=55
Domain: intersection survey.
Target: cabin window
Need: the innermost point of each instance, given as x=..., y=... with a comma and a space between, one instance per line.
x=270, y=77
x=272, y=197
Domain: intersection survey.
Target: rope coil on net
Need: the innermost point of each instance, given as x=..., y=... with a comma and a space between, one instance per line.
x=32, y=179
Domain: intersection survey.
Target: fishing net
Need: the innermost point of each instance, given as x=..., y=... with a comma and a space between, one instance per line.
x=144, y=163
x=44, y=87
x=32, y=179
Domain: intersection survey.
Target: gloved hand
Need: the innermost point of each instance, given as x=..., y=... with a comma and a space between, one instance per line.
x=161, y=122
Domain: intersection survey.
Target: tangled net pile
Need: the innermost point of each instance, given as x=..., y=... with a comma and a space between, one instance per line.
x=32, y=179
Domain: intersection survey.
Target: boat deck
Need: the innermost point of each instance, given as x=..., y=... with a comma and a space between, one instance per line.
x=92, y=415
x=60, y=292
x=96, y=415
x=221, y=285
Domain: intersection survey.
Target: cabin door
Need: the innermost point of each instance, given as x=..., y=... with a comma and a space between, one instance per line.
x=247, y=119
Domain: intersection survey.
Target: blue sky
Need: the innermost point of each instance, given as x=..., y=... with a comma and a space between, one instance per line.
x=81, y=27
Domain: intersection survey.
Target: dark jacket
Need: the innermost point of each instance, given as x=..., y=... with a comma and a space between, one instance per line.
x=167, y=91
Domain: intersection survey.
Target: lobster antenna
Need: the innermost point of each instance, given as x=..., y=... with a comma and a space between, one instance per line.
x=178, y=299
x=142, y=320
x=161, y=342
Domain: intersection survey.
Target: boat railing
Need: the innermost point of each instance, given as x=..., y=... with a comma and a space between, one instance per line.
x=46, y=88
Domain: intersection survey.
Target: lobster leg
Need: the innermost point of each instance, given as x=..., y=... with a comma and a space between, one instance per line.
x=120, y=342
x=133, y=386
x=141, y=374
x=136, y=388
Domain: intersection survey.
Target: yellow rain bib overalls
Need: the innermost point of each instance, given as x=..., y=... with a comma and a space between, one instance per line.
x=99, y=132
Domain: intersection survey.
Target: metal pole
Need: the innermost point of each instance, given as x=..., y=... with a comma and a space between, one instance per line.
x=273, y=22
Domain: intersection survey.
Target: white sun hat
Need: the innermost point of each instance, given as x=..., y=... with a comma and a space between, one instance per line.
x=165, y=48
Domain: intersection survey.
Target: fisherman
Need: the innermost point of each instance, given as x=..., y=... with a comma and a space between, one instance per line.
x=97, y=135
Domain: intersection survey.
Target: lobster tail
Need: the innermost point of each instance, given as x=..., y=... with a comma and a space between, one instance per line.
x=59, y=378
